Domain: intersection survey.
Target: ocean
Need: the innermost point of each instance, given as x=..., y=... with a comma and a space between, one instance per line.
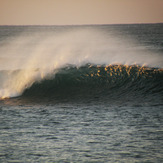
x=81, y=93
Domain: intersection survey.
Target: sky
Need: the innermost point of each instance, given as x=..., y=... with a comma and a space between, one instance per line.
x=71, y=12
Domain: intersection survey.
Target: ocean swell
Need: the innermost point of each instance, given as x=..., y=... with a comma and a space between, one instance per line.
x=53, y=61
x=112, y=82
x=90, y=82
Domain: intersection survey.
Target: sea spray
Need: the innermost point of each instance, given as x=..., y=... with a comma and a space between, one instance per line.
x=81, y=93
x=38, y=52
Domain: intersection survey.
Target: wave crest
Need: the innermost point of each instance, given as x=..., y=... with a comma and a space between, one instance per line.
x=106, y=83
x=99, y=81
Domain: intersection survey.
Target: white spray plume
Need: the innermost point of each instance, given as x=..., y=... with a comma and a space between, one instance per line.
x=49, y=51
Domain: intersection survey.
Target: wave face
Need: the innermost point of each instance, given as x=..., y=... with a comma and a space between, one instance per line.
x=100, y=83
x=52, y=62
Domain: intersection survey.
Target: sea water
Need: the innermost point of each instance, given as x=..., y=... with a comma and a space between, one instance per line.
x=91, y=93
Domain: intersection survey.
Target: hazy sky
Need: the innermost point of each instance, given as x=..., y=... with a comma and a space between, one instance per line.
x=55, y=12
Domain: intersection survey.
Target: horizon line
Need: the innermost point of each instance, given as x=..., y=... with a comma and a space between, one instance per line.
x=77, y=24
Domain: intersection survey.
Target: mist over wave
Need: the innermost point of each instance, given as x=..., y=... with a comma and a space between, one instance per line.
x=81, y=93
x=38, y=52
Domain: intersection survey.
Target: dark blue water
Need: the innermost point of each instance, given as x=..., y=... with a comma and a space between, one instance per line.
x=81, y=93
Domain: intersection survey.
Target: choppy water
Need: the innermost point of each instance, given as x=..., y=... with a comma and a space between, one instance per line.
x=81, y=93
x=73, y=132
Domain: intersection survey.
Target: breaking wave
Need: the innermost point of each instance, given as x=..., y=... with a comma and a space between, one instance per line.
x=105, y=83
x=53, y=63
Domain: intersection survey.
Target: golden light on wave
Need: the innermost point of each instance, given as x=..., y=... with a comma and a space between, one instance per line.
x=120, y=70
x=4, y=97
x=23, y=79
x=19, y=81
